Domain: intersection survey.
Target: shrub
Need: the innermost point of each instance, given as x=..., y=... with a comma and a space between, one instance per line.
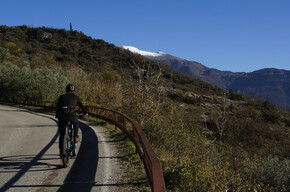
x=111, y=77
x=273, y=171
x=24, y=83
x=236, y=96
x=13, y=48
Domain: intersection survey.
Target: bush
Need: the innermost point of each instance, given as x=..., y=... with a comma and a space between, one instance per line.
x=111, y=77
x=40, y=84
x=236, y=96
x=191, y=161
x=273, y=171
x=13, y=48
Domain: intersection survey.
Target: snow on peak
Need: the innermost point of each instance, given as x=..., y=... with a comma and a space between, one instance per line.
x=144, y=53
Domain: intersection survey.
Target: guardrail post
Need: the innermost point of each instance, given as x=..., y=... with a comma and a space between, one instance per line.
x=124, y=123
x=116, y=120
x=136, y=137
x=98, y=111
x=158, y=181
x=107, y=116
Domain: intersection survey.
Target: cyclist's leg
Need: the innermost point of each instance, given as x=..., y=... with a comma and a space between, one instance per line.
x=75, y=122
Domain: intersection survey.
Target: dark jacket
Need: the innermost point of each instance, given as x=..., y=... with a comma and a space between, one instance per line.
x=68, y=102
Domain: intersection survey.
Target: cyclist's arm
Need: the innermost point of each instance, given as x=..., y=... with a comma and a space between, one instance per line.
x=57, y=115
x=82, y=107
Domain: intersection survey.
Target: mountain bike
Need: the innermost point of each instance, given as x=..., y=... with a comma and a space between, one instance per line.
x=69, y=144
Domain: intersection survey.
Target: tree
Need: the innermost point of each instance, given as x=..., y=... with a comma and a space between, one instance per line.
x=219, y=118
x=143, y=97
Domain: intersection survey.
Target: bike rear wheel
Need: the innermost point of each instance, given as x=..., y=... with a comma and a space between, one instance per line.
x=74, y=152
x=66, y=149
x=73, y=142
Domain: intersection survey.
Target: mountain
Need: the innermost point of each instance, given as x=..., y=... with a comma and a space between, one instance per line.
x=269, y=83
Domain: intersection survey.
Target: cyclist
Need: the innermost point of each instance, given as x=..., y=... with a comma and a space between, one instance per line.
x=65, y=112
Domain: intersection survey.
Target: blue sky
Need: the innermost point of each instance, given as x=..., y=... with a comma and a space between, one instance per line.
x=232, y=35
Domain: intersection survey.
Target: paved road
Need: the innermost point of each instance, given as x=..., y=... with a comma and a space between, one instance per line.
x=29, y=159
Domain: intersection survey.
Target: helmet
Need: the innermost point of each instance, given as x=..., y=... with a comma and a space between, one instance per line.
x=70, y=88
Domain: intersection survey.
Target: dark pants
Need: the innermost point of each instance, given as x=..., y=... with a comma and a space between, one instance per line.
x=62, y=121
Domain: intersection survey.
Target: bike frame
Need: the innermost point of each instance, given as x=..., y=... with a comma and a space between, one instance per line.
x=69, y=144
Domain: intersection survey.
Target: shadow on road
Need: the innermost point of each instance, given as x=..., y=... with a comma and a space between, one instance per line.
x=10, y=164
x=82, y=174
x=25, y=167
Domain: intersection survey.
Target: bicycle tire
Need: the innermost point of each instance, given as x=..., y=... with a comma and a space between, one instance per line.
x=73, y=149
x=66, y=155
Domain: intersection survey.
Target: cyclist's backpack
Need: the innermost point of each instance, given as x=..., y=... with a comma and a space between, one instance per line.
x=66, y=110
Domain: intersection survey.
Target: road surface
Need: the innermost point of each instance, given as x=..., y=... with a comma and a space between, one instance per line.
x=29, y=156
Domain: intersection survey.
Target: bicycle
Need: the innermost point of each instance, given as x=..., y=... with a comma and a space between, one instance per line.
x=69, y=144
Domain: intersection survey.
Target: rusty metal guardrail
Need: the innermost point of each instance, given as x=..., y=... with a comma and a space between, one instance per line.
x=152, y=164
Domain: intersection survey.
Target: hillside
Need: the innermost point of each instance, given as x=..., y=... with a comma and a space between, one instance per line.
x=206, y=138
x=271, y=84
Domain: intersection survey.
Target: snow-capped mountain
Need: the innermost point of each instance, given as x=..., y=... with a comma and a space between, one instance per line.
x=272, y=84
x=144, y=53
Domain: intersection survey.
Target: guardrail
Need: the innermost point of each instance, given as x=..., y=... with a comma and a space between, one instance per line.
x=134, y=132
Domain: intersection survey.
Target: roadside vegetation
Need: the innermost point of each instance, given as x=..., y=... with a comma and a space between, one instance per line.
x=206, y=138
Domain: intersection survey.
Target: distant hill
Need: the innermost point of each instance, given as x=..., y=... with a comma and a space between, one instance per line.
x=272, y=84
